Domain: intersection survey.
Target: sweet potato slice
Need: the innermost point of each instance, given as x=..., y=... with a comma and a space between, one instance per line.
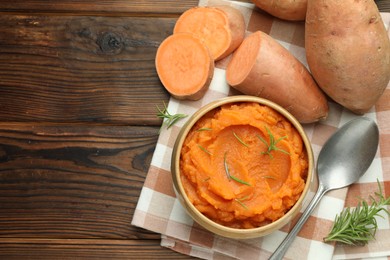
x=222, y=28
x=262, y=67
x=185, y=66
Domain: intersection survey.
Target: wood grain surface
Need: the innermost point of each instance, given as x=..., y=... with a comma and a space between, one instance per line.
x=84, y=249
x=101, y=8
x=81, y=68
x=383, y=5
x=72, y=181
x=78, y=125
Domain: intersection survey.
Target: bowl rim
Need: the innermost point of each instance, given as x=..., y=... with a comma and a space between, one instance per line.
x=200, y=217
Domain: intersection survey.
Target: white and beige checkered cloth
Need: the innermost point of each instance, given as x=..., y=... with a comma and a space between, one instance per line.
x=158, y=209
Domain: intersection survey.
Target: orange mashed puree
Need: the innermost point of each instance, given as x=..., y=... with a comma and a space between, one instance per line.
x=228, y=174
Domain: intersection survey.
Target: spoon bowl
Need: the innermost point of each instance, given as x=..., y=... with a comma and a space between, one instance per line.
x=344, y=158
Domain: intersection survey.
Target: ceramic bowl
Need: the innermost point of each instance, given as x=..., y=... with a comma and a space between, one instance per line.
x=205, y=221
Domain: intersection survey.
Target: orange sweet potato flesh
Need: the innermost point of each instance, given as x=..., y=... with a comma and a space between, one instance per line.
x=348, y=51
x=275, y=183
x=293, y=10
x=185, y=66
x=264, y=68
x=222, y=28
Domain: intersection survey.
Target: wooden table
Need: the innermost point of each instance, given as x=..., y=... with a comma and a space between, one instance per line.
x=78, y=125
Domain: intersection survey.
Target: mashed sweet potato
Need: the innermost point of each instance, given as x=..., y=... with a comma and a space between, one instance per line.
x=230, y=174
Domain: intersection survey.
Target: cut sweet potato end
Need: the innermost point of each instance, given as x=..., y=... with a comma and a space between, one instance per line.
x=184, y=66
x=209, y=24
x=243, y=60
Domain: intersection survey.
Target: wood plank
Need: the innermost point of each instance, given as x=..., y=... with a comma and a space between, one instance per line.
x=115, y=8
x=58, y=181
x=111, y=8
x=85, y=249
x=383, y=5
x=81, y=69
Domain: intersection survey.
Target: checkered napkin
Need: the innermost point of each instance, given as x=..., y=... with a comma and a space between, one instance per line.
x=158, y=209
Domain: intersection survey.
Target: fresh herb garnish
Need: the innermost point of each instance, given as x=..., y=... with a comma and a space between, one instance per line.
x=358, y=226
x=240, y=140
x=204, y=149
x=204, y=129
x=240, y=201
x=231, y=177
x=226, y=166
x=240, y=181
x=168, y=119
x=272, y=143
x=269, y=177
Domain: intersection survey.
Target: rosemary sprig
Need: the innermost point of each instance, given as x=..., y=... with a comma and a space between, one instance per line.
x=203, y=129
x=358, y=226
x=239, y=180
x=272, y=143
x=168, y=119
x=269, y=177
x=204, y=149
x=240, y=140
x=226, y=166
x=231, y=177
x=240, y=201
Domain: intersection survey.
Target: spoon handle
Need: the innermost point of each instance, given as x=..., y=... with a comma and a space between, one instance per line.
x=281, y=250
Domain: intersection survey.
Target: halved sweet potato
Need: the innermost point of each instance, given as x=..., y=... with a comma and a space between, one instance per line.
x=264, y=68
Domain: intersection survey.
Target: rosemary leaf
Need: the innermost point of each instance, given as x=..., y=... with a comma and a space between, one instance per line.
x=231, y=177
x=241, y=203
x=358, y=226
x=204, y=149
x=272, y=143
x=240, y=181
x=204, y=129
x=168, y=119
x=240, y=140
x=226, y=166
x=269, y=177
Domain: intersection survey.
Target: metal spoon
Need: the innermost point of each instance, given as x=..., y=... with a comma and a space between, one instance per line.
x=344, y=158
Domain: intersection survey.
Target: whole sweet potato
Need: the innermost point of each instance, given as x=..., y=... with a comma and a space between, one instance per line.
x=348, y=51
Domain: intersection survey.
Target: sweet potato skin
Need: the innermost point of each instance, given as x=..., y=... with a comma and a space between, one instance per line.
x=234, y=27
x=292, y=10
x=278, y=76
x=348, y=51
